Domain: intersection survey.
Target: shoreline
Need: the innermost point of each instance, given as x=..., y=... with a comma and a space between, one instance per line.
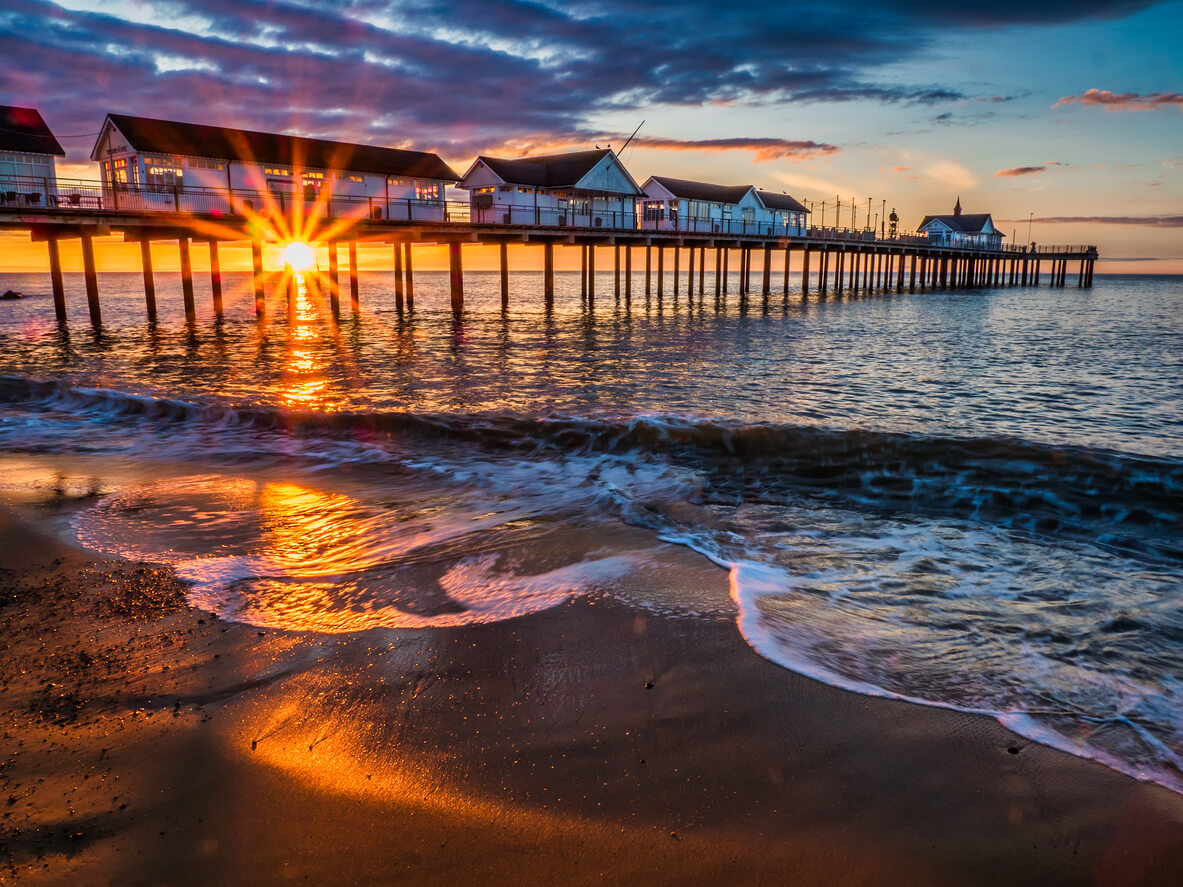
x=150, y=743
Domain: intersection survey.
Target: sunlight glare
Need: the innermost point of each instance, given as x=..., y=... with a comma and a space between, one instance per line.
x=299, y=256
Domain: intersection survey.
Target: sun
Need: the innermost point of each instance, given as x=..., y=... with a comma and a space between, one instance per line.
x=299, y=255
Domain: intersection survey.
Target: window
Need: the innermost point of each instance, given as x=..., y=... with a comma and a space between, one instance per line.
x=525, y=190
x=652, y=211
x=482, y=190
x=581, y=207
x=429, y=191
x=749, y=215
x=506, y=189
x=161, y=174
x=313, y=175
x=350, y=177
x=276, y=171
x=203, y=163
x=398, y=183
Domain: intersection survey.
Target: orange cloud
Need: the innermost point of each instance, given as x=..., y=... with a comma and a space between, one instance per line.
x=1125, y=101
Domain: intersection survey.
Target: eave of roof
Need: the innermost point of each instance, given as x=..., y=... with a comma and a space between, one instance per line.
x=24, y=130
x=549, y=170
x=772, y=200
x=684, y=189
x=146, y=134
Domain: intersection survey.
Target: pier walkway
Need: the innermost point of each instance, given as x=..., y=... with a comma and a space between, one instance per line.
x=828, y=259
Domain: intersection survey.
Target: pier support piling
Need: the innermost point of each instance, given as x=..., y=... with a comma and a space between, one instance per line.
x=335, y=281
x=354, y=301
x=409, y=271
x=55, y=278
x=766, y=283
x=187, y=280
x=92, y=280
x=398, y=278
x=548, y=274
x=257, y=275
x=215, y=277
x=456, y=278
x=504, y=277
x=149, y=278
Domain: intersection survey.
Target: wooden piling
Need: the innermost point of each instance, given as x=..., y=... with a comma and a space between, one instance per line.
x=409, y=271
x=583, y=272
x=456, y=277
x=805, y=271
x=215, y=277
x=504, y=277
x=628, y=275
x=591, y=274
x=702, y=270
x=55, y=278
x=766, y=284
x=548, y=274
x=398, y=278
x=354, y=301
x=149, y=278
x=92, y=280
x=690, y=273
x=718, y=272
x=616, y=271
x=660, y=271
x=677, y=269
x=257, y=275
x=788, y=266
x=335, y=281
x=823, y=271
x=726, y=270
x=648, y=270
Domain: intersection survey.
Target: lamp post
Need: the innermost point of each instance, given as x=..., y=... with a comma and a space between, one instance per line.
x=883, y=219
x=1030, y=218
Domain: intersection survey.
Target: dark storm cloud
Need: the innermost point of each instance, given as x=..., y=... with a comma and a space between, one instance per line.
x=471, y=74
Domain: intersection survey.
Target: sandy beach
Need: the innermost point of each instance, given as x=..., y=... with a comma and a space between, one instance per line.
x=149, y=743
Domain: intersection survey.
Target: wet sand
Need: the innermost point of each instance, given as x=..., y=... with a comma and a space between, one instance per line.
x=145, y=742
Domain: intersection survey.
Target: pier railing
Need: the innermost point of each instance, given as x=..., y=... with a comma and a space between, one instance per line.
x=79, y=195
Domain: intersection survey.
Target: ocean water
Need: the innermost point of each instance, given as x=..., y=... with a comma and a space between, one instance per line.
x=964, y=498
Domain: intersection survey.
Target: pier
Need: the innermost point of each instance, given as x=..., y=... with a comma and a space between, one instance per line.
x=829, y=260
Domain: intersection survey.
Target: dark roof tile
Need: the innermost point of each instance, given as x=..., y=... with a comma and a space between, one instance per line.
x=968, y=223
x=546, y=171
x=24, y=130
x=199, y=140
x=687, y=190
x=772, y=200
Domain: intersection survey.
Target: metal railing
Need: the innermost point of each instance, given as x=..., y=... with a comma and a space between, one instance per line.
x=77, y=195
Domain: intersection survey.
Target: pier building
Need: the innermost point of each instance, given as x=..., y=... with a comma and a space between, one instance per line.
x=701, y=207
x=163, y=164
x=586, y=189
x=961, y=229
x=28, y=172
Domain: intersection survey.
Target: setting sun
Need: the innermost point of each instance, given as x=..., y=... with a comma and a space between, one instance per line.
x=299, y=255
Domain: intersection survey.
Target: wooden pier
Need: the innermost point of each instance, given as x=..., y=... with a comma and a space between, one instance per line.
x=828, y=260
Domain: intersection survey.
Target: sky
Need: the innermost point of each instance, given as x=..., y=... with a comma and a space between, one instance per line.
x=1062, y=118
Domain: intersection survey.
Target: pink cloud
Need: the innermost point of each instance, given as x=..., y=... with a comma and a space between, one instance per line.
x=1125, y=101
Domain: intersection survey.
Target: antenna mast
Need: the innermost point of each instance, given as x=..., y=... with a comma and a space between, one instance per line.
x=630, y=138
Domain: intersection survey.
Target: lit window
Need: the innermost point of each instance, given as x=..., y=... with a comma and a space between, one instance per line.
x=203, y=163
x=399, y=183
x=525, y=190
x=353, y=178
x=429, y=191
x=483, y=190
x=276, y=171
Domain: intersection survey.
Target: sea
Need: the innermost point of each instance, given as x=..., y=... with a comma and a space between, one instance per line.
x=965, y=498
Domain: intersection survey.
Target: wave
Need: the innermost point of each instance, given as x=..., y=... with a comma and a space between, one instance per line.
x=1124, y=502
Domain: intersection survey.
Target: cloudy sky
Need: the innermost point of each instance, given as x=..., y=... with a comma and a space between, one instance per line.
x=1071, y=111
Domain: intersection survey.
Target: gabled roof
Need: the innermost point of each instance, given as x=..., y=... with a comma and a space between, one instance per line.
x=684, y=189
x=967, y=223
x=772, y=200
x=198, y=140
x=24, y=130
x=549, y=170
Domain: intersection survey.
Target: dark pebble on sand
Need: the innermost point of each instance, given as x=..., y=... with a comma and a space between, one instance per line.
x=1013, y=750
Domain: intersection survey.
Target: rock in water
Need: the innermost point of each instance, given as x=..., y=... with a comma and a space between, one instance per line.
x=11, y=296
